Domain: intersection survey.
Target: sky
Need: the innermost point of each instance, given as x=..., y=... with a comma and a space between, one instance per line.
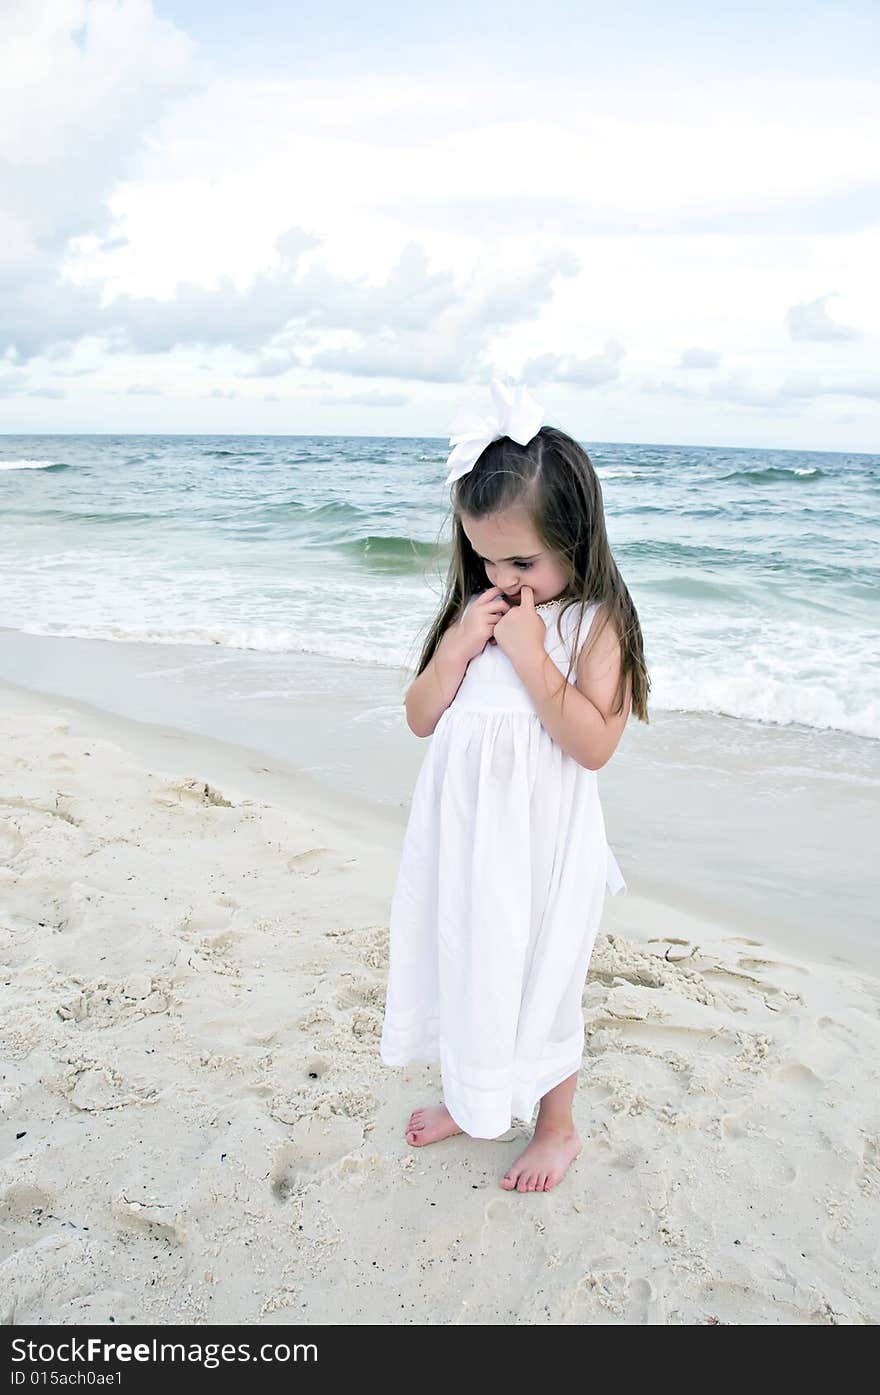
x=345, y=219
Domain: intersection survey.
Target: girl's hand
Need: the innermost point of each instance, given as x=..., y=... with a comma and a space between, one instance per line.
x=475, y=630
x=521, y=632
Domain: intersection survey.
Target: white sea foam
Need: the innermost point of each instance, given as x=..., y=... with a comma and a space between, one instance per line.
x=755, y=589
x=786, y=675
x=26, y=464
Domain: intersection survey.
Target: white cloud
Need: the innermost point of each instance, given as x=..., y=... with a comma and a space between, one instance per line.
x=365, y=399
x=426, y=228
x=13, y=381
x=800, y=389
x=84, y=81
x=417, y=323
x=810, y=320
x=698, y=358
x=568, y=368
x=272, y=365
x=453, y=343
x=640, y=209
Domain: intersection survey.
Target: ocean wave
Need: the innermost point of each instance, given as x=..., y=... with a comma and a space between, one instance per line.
x=387, y=552
x=751, y=694
x=774, y=474
x=741, y=688
x=34, y=465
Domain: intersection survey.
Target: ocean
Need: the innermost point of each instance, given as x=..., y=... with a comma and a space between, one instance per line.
x=755, y=573
x=274, y=591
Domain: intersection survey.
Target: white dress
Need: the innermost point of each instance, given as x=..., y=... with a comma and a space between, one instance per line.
x=500, y=889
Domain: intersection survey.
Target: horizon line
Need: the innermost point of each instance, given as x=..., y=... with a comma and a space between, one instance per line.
x=325, y=436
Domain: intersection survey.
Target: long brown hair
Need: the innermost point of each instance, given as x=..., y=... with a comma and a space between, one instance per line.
x=554, y=480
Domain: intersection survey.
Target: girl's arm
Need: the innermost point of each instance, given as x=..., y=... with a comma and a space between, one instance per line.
x=429, y=695
x=588, y=727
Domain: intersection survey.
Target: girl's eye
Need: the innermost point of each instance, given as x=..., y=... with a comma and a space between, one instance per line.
x=520, y=566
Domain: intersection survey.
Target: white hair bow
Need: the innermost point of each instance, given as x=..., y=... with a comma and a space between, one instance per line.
x=517, y=415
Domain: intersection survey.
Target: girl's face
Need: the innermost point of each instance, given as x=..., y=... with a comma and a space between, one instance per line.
x=514, y=555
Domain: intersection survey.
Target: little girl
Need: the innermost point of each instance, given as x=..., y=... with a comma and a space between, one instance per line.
x=526, y=686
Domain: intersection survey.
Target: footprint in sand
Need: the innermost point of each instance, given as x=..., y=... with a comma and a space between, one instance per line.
x=105, y=1003
x=370, y=942
x=213, y=916
x=868, y=1175
x=314, y=1146
x=95, y=1088
x=734, y=1127
x=191, y=791
x=25, y=1202
x=150, y=1215
x=797, y=1076
x=11, y=841
x=656, y=1036
x=748, y=963
x=506, y=1233
x=316, y=1017
x=602, y=1292
x=310, y=861
x=628, y=1157
x=643, y=1298
x=366, y=1024
x=356, y=991
x=373, y=945
x=311, y=1101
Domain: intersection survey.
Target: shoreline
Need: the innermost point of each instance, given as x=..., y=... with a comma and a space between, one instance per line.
x=709, y=816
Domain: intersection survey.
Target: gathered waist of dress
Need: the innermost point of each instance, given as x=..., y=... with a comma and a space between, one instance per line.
x=501, y=699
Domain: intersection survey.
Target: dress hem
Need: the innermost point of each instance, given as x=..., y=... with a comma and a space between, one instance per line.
x=516, y=1089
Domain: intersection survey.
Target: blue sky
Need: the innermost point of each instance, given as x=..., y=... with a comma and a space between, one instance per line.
x=218, y=217
x=271, y=37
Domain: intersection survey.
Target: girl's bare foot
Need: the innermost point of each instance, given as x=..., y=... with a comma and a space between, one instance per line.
x=430, y=1124
x=544, y=1162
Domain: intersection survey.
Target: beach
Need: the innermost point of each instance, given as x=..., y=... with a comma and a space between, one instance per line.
x=316, y=327
x=197, y=1127
x=205, y=778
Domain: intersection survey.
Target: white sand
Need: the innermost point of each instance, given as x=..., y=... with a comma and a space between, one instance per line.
x=196, y=1125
